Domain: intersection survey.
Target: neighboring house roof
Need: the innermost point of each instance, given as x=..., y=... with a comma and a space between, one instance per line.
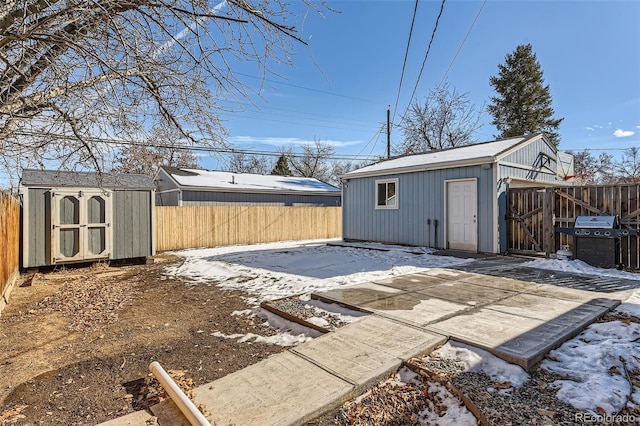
x=468, y=155
x=62, y=178
x=207, y=180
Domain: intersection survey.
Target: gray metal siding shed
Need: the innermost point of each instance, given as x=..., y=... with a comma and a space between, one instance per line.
x=420, y=197
x=132, y=237
x=119, y=219
x=211, y=193
x=215, y=198
x=536, y=161
x=421, y=191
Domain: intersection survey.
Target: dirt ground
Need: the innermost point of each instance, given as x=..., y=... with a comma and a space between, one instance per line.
x=76, y=343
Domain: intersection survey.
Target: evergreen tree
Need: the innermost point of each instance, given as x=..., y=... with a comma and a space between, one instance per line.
x=523, y=104
x=282, y=167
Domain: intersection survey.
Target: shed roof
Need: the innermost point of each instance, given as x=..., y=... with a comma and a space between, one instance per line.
x=63, y=178
x=481, y=153
x=247, y=182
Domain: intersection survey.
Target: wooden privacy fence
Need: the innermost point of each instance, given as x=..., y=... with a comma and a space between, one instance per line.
x=210, y=226
x=9, y=244
x=534, y=213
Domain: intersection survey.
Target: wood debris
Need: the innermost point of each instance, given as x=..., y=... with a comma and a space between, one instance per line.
x=88, y=303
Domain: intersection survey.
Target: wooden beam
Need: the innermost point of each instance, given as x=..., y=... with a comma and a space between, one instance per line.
x=548, y=228
x=634, y=213
x=526, y=230
x=579, y=202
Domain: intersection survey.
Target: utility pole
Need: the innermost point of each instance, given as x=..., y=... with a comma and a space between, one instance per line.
x=389, y=131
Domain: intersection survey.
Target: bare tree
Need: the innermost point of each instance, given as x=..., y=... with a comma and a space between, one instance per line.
x=445, y=119
x=313, y=161
x=589, y=169
x=243, y=163
x=159, y=150
x=77, y=76
x=628, y=168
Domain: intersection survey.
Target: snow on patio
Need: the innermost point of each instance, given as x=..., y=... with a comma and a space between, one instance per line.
x=595, y=365
x=276, y=270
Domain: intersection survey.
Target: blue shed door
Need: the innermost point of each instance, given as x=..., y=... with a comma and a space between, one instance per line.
x=80, y=225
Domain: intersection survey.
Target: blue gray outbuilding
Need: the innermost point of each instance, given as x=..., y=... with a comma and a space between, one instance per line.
x=453, y=198
x=75, y=217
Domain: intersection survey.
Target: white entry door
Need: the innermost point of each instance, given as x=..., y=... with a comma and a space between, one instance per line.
x=80, y=225
x=462, y=211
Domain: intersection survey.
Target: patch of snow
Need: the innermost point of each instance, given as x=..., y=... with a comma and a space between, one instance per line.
x=276, y=270
x=480, y=361
x=284, y=325
x=249, y=181
x=320, y=322
x=593, y=365
x=631, y=306
x=244, y=312
x=280, y=339
x=341, y=313
x=455, y=413
x=580, y=267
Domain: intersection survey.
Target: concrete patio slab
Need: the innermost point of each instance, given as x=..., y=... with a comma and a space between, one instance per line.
x=411, y=282
x=359, y=294
x=576, y=295
x=532, y=306
x=137, y=418
x=414, y=308
x=466, y=293
x=368, y=350
x=284, y=389
x=479, y=279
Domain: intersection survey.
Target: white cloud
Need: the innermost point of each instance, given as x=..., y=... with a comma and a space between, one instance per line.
x=589, y=128
x=619, y=133
x=279, y=142
x=637, y=127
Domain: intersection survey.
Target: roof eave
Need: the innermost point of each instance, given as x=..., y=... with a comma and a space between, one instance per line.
x=257, y=191
x=423, y=167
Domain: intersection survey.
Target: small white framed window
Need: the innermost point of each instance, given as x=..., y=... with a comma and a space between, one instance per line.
x=387, y=194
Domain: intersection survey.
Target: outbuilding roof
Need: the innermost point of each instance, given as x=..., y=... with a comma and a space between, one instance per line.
x=247, y=182
x=64, y=178
x=481, y=153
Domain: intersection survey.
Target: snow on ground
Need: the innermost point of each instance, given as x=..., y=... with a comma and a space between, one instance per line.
x=276, y=270
x=480, y=361
x=443, y=408
x=595, y=365
x=579, y=267
x=341, y=313
x=631, y=306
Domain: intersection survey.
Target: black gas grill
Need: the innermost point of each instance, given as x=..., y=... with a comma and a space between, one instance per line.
x=597, y=240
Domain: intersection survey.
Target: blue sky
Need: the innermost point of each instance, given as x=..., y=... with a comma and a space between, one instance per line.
x=339, y=88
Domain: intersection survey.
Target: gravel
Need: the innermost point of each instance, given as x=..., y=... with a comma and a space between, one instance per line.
x=300, y=307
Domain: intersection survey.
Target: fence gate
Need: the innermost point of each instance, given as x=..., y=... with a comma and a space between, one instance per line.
x=528, y=231
x=534, y=213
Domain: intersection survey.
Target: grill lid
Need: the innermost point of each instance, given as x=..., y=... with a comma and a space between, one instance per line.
x=591, y=222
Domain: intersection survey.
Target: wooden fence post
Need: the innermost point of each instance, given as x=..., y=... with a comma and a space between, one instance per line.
x=548, y=224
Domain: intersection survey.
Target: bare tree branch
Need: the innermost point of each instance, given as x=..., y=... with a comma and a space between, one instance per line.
x=76, y=73
x=446, y=119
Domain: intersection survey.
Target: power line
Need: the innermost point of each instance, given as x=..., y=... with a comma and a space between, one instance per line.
x=307, y=88
x=297, y=122
x=260, y=108
x=462, y=44
x=433, y=34
x=122, y=142
x=406, y=55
